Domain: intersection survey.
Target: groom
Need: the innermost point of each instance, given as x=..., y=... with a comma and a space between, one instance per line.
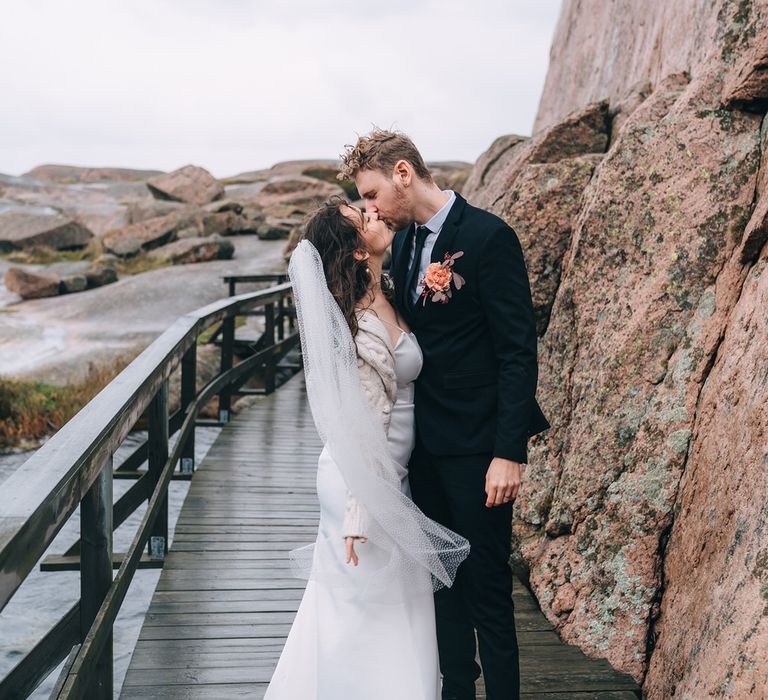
x=461, y=282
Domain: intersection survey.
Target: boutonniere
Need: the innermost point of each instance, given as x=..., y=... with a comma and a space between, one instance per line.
x=438, y=278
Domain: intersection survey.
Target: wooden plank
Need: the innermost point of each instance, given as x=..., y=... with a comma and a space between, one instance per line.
x=215, y=632
x=224, y=606
x=226, y=598
x=223, y=691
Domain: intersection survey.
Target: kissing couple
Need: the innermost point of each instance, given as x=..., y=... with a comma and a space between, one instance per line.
x=422, y=387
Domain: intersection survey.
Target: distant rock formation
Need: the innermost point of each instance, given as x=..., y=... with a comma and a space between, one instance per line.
x=31, y=285
x=20, y=230
x=642, y=518
x=71, y=174
x=35, y=284
x=194, y=250
x=190, y=184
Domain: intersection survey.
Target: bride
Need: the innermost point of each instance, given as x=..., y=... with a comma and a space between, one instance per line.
x=365, y=627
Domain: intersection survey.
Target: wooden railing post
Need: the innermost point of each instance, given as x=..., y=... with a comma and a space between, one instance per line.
x=269, y=335
x=96, y=571
x=281, y=319
x=188, y=393
x=157, y=446
x=227, y=352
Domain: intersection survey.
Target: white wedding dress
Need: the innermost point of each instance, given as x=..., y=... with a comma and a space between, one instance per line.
x=339, y=648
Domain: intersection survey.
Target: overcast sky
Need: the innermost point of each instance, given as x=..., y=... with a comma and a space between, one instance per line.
x=236, y=85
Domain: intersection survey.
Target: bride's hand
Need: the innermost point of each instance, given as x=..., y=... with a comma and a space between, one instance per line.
x=351, y=554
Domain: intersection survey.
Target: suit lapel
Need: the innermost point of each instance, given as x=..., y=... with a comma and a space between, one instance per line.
x=444, y=242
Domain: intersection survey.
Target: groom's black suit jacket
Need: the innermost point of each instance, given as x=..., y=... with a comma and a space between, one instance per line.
x=476, y=392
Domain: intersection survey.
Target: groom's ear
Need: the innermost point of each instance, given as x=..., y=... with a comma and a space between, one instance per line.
x=402, y=172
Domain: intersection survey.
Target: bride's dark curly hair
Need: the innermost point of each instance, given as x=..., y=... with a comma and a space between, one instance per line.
x=336, y=239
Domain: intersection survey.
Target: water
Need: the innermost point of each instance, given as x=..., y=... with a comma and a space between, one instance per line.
x=45, y=596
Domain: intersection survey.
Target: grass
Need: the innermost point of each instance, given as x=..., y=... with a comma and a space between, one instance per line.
x=30, y=411
x=138, y=264
x=45, y=255
x=205, y=337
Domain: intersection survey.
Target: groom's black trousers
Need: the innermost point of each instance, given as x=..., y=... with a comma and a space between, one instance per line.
x=451, y=490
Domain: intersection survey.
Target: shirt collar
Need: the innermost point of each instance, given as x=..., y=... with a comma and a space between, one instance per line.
x=437, y=221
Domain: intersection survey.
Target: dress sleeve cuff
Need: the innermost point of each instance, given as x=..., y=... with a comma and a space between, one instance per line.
x=355, y=518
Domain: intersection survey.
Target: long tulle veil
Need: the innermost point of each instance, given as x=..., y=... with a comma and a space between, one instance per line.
x=416, y=551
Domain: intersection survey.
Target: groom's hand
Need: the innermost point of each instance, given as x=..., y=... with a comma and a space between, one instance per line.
x=502, y=482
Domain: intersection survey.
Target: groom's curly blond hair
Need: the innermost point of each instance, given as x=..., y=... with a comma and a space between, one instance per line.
x=380, y=150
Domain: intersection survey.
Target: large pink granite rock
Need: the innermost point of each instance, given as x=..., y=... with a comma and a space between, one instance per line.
x=711, y=639
x=194, y=250
x=542, y=206
x=70, y=174
x=536, y=186
x=20, y=229
x=603, y=50
x=31, y=285
x=747, y=85
x=636, y=320
x=190, y=184
x=491, y=164
x=641, y=520
x=146, y=235
x=585, y=131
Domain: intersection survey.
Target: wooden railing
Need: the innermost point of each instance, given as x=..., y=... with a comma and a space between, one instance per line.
x=75, y=468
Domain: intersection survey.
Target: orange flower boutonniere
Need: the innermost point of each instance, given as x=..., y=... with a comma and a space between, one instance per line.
x=438, y=278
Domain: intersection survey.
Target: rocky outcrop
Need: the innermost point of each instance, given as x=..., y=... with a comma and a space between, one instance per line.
x=747, y=86
x=636, y=319
x=493, y=178
x=274, y=228
x=31, y=285
x=321, y=169
x=35, y=284
x=712, y=633
x=542, y=210
x=604, y=50
x=190, y=184
x=97, y=206
x=194, y=250
x=228, y=222
x=293, y=196
x=146, y=235
x=150, y=208
x=641, y=520
x=99, y=275
x=20, y=230
x=72, y=284
x=71, y=174
x=450, y=175
x=536, y=186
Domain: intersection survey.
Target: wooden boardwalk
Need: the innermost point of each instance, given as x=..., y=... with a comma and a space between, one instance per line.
x=225, y=599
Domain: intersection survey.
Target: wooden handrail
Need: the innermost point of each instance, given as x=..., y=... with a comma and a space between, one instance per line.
x=74, y=468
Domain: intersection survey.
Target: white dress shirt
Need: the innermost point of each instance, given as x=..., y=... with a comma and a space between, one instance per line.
x=435, y=225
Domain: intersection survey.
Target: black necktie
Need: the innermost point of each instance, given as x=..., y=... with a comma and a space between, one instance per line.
x=421, y=235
